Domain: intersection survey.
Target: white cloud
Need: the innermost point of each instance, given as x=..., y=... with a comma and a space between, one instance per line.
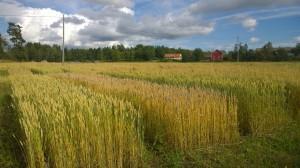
x=171, y=26
x=49, y=29
x=249, y=23
x=264, y=14
x=126, y=11
x=281, y=13
x=214, y=6
x=254, y=40
x=107, y=26
x=41, y=29
x=243, y=19
x=114, y=21
x=261, y=9
x=117, y=3
x=297, y=39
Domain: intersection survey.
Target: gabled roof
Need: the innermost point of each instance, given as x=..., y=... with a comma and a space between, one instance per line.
x=218, y=51
x=173, y=55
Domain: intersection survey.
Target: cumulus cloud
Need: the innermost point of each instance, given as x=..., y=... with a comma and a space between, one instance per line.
x=105, y=13
x=109, y=25
x=297, y=39
x=232, y=5
x=233, y=9
x=32, y=26
x=50, y=36
x=46, y=28
x=246, y=21
x=100, y=31
x=123, y=27
x=118, y=3
x=126, y=11
x=168, y=27
x=254, y=40
x=79, y=30
x=108, y=22
x=76, y=20
x=249, y=23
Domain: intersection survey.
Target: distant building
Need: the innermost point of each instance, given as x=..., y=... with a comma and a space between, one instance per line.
x=173, y=56
x=217, y=55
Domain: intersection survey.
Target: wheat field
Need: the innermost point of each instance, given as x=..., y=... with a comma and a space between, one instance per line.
x=116, y=114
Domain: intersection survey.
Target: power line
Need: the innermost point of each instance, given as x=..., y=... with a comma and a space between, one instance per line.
x=238, y=46
x=29, y=16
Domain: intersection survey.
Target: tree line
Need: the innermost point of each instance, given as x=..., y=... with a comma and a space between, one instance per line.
x=266, y=53
x=19, y=50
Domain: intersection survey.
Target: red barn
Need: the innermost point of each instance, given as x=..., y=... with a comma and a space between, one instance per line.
x=216, y=56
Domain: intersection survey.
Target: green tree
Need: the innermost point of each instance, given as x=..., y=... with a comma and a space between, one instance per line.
x=252, y=55
x=228, y=56
x=107, y=53
x=296, y=50
x=139, y=52
x=281, y=54
x=115, y=53
x=57, y=52
x=149, y=53
x=267, y=51
x=244, y=52
x=160, y=51
x=99, y=54
x=15, y=33
x=198, y=54
x=187, y=55
x=129, y=54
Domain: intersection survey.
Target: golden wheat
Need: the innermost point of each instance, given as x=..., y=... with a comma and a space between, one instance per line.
x=88, y=117
x=70, y=126
x=181, y=118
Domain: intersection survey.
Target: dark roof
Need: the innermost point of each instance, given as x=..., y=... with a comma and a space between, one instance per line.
x=218, y=51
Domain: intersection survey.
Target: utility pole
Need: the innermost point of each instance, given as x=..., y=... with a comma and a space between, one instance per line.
x=63, y=40
x=238, y=49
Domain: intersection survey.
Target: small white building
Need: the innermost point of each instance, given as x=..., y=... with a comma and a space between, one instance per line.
x=173, y=56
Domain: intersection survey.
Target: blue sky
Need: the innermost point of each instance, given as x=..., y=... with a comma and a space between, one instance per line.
x=209, y=25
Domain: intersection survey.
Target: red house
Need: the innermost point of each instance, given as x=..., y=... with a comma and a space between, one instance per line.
x=216, y=56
